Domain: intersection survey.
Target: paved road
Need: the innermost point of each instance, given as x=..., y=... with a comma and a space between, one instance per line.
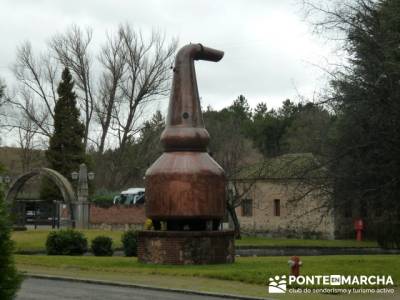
x=44, y=289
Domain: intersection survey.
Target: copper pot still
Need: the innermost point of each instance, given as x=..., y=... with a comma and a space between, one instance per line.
x=185, y=187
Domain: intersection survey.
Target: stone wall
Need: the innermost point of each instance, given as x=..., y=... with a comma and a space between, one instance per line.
x=301, y=218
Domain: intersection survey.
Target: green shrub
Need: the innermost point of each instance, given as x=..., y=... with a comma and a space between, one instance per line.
x=10, y=279
x=102, y=246
x=66, y=242
x=103, y=200
x=129, y=243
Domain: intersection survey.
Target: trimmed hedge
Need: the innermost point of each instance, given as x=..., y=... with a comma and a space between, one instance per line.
x=66, y=242
x=103, y=198
x=102, y=246
x=129, y=243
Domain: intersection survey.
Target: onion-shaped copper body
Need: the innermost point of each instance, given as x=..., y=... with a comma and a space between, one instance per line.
x=185, y=186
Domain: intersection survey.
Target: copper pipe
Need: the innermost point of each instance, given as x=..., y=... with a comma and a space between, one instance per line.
x=185, y=127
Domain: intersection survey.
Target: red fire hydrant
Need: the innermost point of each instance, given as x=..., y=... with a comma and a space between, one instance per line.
x=359, y=227
x=295, y=263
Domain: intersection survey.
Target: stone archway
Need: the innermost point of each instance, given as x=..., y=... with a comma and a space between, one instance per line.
x=59, y=180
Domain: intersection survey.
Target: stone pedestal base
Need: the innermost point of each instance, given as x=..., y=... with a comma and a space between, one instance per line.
x=186, y=247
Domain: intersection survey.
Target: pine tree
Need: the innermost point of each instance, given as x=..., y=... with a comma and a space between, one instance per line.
x=365, y=153
x=66, y=149
x=9, y=278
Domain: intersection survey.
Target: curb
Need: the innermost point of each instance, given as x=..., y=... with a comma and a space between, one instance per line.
x=142, y=286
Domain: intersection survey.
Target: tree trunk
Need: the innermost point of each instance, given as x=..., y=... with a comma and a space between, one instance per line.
x=235, y=220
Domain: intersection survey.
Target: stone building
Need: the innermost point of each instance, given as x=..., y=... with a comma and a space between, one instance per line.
x=277, y=201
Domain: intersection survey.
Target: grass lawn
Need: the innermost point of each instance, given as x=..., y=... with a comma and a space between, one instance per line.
x=247, y=276
x=270, y=242
x=34, y=240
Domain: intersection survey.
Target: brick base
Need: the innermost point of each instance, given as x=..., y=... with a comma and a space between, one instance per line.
x=186, y=247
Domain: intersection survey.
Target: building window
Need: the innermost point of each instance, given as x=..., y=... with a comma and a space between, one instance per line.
x=247, y=207
x=277, y=207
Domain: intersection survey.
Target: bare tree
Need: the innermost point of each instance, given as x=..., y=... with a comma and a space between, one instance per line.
x=237, y=191
x=335, y=17
x=242, y=181
x=301, y=174
x=147, y=75
x=26, y=128
x=113, y=59
x=35, y=96
x=27, y=131
x=3, y=99
x=2, y=104
x=2, y=93
x=112, y=87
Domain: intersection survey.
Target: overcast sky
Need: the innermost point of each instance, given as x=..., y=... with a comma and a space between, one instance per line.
x=269, y=50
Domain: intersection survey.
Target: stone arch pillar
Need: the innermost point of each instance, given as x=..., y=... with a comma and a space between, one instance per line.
x=59, y=180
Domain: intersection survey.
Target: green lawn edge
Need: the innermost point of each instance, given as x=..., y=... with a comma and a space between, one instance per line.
x=247, y=276
x=252, y=270
x=32, y=241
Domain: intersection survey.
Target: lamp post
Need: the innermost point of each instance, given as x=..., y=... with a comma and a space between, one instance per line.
x=81, y=207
